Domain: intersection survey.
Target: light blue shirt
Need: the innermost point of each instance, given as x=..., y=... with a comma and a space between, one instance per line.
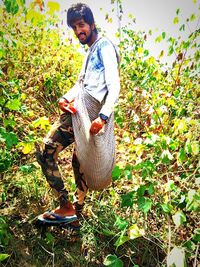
x=101, y=77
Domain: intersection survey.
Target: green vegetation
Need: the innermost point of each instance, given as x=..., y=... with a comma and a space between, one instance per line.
x=150, y=214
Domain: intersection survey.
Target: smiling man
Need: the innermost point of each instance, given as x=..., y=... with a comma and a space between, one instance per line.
x=88, y=119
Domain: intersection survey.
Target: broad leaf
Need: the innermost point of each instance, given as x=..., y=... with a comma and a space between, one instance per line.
x=11, y=6
x=127, y=199
x=176, y=257
x=53, y=6
x=121, y=240
x=179, y=218
x=144, y=204
x=113, y=261
x=121, y=223
x=167, y=208
x=176, y=20
x=27, y=147
x=196, y=236
x=116, y=172
x=9, y=138
x=14, y=104
x=4, y=256
x=135, y=231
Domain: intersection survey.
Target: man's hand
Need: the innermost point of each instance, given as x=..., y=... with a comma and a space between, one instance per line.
x=97, y=125
x=66, y=106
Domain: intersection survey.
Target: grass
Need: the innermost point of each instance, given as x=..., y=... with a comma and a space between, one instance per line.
x=26, y=194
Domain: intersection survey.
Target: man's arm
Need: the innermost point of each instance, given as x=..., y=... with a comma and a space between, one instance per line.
x=109, y=60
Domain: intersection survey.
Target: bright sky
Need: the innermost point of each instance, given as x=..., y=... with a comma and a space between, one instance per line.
x=157, y=15
x=148, y=13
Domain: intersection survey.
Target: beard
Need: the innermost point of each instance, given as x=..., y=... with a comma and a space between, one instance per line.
x=87, y=40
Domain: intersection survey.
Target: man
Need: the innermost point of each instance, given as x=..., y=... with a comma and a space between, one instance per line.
x=87, y=118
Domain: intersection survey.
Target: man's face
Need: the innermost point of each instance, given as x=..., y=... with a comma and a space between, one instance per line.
x=83, y=31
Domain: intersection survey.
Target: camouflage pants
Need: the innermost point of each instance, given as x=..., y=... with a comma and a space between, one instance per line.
x=60, y=136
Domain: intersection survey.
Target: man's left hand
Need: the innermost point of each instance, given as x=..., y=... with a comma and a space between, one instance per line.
x=97, y=126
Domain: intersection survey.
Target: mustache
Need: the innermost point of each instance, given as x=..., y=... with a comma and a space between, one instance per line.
x=81, y=34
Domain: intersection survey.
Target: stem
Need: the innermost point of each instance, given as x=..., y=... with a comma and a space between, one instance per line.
x=196, y=254
x=169, y=235
x=50, y=253
x=157, y=115
x=169, y=224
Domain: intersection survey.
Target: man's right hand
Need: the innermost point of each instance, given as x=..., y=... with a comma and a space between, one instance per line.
x=63, y=103
x=65, y=106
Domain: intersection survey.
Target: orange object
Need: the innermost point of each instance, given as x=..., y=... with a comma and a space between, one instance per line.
x=66, y=106
x=69, y=108
x=96, y=126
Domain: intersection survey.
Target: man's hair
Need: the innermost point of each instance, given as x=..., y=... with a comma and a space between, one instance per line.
x=80, y=11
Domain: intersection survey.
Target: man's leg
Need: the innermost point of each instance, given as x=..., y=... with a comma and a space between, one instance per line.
x=60, y=136
x=81, y=185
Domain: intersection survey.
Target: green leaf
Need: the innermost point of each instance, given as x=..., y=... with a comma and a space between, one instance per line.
x=158, y=39
x=4, y=256
x=144, y=204
x=169, y=186
x=14, y=104
x=186, y=44
x=9, y=122
x=193, y=200
x=107, y=232
x=50, y=239
x=177, y=11
x=171, y=50
x=5, y=160
x=10, y=138
x=27, y=168
x=141, y=190
x=11, y=6
x=192, y=17
x=121, y=240
x=127, y=199
x=179, y=218
x=116, y=173
x=167, y=208
x=189, y=245
x=166, y=156
x=196, y=236
x=2, y=53
x=176, y=20
x=176, y=258
x=151, y=189
x=182, y=28
x=113, y=261
x=163, y=35
x=121, y=223
x=182, y=155
x=128, y=174
x=146, y=52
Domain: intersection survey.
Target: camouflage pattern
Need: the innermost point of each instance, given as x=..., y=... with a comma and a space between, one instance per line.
x=60, y=136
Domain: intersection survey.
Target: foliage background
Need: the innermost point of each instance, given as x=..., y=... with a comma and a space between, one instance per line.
x=153, y=203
